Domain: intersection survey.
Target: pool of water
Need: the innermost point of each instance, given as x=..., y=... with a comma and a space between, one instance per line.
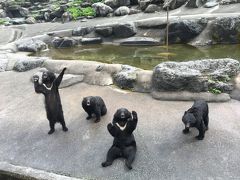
x=145, y=57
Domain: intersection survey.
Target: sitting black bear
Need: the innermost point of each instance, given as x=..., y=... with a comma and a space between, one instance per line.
x=94, y=105
x=124, y=144
x=197, y=116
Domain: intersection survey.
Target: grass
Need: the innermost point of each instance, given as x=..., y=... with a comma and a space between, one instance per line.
x=81, y=12
x=215, y=91
x=2, y=21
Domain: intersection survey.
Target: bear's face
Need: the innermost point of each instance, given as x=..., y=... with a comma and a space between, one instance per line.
x=122, y=116
x=89, y=100
x=189, y=119
x=48, y=78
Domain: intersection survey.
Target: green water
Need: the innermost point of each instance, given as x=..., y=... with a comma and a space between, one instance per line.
x=145, y=57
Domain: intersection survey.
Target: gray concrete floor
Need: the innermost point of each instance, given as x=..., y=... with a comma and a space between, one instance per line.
x=163, y=151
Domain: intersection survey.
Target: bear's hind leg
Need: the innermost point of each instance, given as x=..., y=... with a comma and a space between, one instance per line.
x=129, y=154
x=201, y=130
x=112, y=154
x=104, y=110
x=98, y=114
x=62, y=122
x=206, y=120
x=52, y=128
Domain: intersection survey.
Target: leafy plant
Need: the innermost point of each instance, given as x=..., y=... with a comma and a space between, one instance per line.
x=2, y=21
x=215, y=91
x=80, y=12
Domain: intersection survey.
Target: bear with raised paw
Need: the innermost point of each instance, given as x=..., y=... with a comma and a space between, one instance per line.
x=94, y=105
x=124, y=144
x=197, y=116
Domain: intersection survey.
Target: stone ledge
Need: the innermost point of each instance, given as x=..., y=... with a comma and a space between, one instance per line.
x=189, y=96
x=29, y=173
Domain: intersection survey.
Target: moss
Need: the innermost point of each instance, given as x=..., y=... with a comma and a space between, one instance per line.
x=81, y=12
x=2, y=21
x=215, y=91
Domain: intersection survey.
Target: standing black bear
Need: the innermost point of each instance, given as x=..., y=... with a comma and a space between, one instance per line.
x=197, y=116
x=49, y=88
x=94, y=105
x=124, y=144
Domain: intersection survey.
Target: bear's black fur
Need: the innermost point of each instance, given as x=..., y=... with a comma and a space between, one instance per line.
x=124, y=144
x=94, y=105
x=53, y=106
x=197, y=116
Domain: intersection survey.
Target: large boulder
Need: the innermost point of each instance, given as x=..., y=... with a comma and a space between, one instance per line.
x=226, y=30
x=82, y=31
x=104, y=31
x=182, y=31
x=95, y=40
x=22, y=65
x=3, y=13
x=226, y=2
x=63, y=42
x=124, y=30
x=3, y=64
x=143, y=4
x=210, y=4
x=194, y=76
x=195, y=3
x=126, y=78
x=31, y=45
x=122, y=11
x=102, y=9
x=174, y=4
x=117, y=3
x=152, y=8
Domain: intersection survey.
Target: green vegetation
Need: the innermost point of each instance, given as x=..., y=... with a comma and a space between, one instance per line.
x=76, y=11
x=215, y=91
x=2, y=21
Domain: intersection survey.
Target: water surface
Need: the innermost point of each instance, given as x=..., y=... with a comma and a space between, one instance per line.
x=145, y=57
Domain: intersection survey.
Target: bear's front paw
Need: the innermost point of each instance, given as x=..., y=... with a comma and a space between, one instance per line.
x=185, y=131
x=35, y=78
x=199, y=137
x=65, y=129
x=109, y=126
x=128, y=166
x=134, y=114
x=97, y=120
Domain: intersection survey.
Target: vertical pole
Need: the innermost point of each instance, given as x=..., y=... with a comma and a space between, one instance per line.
x=167, y=29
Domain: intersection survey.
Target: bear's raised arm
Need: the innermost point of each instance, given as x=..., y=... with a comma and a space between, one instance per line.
x=113, y=129
x=59, y=78
x=39, y=88
x=132, y=124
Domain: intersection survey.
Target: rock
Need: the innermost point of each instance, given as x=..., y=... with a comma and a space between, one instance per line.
x=195, y=3
x=152, y=8
x=96, y=40
x=28, y=64
x=17, y=21
x=15, y=11
x=3, y=64
x=111, y=3
x=126, y=78
x=86, y=4
x=64, y=42
x=66, y=17
x=124, y=2
x=31, y=45
x=104, y=31
x=102, y=9
x=210, y=4
x=174, y=4
x=82, y=31
x=193, y=75
x=142, y=41
x=134, y=11
x=182, y=31
x=225, y=2
x=124, y=30
x=122, y=11
x=30, y=20
x=226, y=30
x=143, y=4
x=3, y=13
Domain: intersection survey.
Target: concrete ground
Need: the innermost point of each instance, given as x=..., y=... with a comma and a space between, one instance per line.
x=163, y=151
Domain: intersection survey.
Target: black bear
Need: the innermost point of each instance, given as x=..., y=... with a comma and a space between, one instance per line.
x=53, y=106
x=94, y=105
x=197, y=116
x=124, y=144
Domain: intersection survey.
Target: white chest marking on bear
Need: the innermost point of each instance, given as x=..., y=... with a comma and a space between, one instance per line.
x=122, y=128
x=48, y=88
